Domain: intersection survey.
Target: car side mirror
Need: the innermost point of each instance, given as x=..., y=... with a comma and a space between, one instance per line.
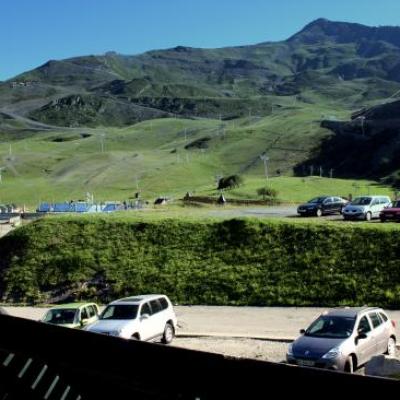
x=362, y=335
x=302, y=331
x=144, y=316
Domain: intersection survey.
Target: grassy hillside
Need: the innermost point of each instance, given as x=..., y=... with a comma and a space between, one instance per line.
x=79, y=125
x=162, y=157
x=234, y=262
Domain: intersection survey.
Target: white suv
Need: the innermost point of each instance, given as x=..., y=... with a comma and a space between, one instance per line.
x=365, y=207
x=145, y=317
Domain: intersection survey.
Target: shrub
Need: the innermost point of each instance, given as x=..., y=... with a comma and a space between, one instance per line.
x=231, y=262
x=267, y=192
x=230, y=182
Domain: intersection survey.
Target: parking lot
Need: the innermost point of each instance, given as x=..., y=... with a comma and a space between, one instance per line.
x=251, y=332
x=289, y=211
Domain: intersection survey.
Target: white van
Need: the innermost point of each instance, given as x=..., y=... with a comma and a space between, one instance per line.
x=365, y=207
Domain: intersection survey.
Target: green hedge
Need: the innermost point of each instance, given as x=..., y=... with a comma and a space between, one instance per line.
x=235, y=262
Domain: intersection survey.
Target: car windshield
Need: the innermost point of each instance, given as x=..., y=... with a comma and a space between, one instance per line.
x=126, y=311
x=361, y=201
x=331, y=327
x=396, y=204
x=317, y=200
x=61, y=316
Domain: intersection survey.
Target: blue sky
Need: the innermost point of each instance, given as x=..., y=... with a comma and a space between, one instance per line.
x=34, y=31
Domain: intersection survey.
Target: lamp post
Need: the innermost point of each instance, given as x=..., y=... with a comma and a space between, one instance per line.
x=1, y=170
x=265, y=160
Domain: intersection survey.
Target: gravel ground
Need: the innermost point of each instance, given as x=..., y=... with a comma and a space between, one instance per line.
x=232, y=331
x=245, y=348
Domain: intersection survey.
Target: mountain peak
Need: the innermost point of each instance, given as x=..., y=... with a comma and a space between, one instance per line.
x=323, y=30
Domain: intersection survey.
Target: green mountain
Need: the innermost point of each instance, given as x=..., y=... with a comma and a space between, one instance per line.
x=105, y=123
x=342, y=63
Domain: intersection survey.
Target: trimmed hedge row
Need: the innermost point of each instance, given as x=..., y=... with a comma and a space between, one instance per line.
x=235, y=262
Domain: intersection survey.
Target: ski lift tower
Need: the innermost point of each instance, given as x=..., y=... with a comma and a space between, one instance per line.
x=265, y=160
x=1, y=170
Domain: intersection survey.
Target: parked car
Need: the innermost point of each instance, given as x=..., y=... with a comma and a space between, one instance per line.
x=145, y=317
x=391, y=212
x=344, y=339
x=365, y=207
x=322, y=205
x=73, y=315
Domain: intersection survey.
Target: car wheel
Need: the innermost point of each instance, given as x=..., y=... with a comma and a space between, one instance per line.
x=391, y=347
x=368, y=216
x=349, y=365
x=383, y=219
x=169, y=334
x=319, y=212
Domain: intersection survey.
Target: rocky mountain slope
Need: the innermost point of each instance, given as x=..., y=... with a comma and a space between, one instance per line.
x=334, y=62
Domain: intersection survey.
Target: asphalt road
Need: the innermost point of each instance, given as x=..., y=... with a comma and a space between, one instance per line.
x=259, y=212
x=271, y=212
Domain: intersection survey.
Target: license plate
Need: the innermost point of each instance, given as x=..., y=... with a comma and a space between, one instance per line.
x=306, y=363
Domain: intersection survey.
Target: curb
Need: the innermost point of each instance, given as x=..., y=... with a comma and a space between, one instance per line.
x=228, y=336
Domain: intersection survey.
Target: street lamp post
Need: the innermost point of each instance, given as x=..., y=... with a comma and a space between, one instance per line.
x=265, y=159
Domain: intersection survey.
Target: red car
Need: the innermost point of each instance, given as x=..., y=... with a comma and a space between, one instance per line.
x=391, y=213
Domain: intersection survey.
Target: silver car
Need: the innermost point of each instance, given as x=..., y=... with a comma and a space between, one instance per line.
x=344, y=339
x=365, y=207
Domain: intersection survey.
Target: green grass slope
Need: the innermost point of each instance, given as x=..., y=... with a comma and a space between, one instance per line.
x=233, y=262
x=162, y=157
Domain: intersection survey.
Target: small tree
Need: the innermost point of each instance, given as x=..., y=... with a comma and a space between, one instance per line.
x=267, y=192
x=230, y=182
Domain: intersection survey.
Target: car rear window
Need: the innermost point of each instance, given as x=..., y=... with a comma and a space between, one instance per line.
x=164, y=303
x=383, y=316
x=375, y=319
x=155, y=306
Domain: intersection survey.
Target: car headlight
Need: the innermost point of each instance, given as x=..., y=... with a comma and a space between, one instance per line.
x=332, y=353
x=123, y=333
x=290, y=349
